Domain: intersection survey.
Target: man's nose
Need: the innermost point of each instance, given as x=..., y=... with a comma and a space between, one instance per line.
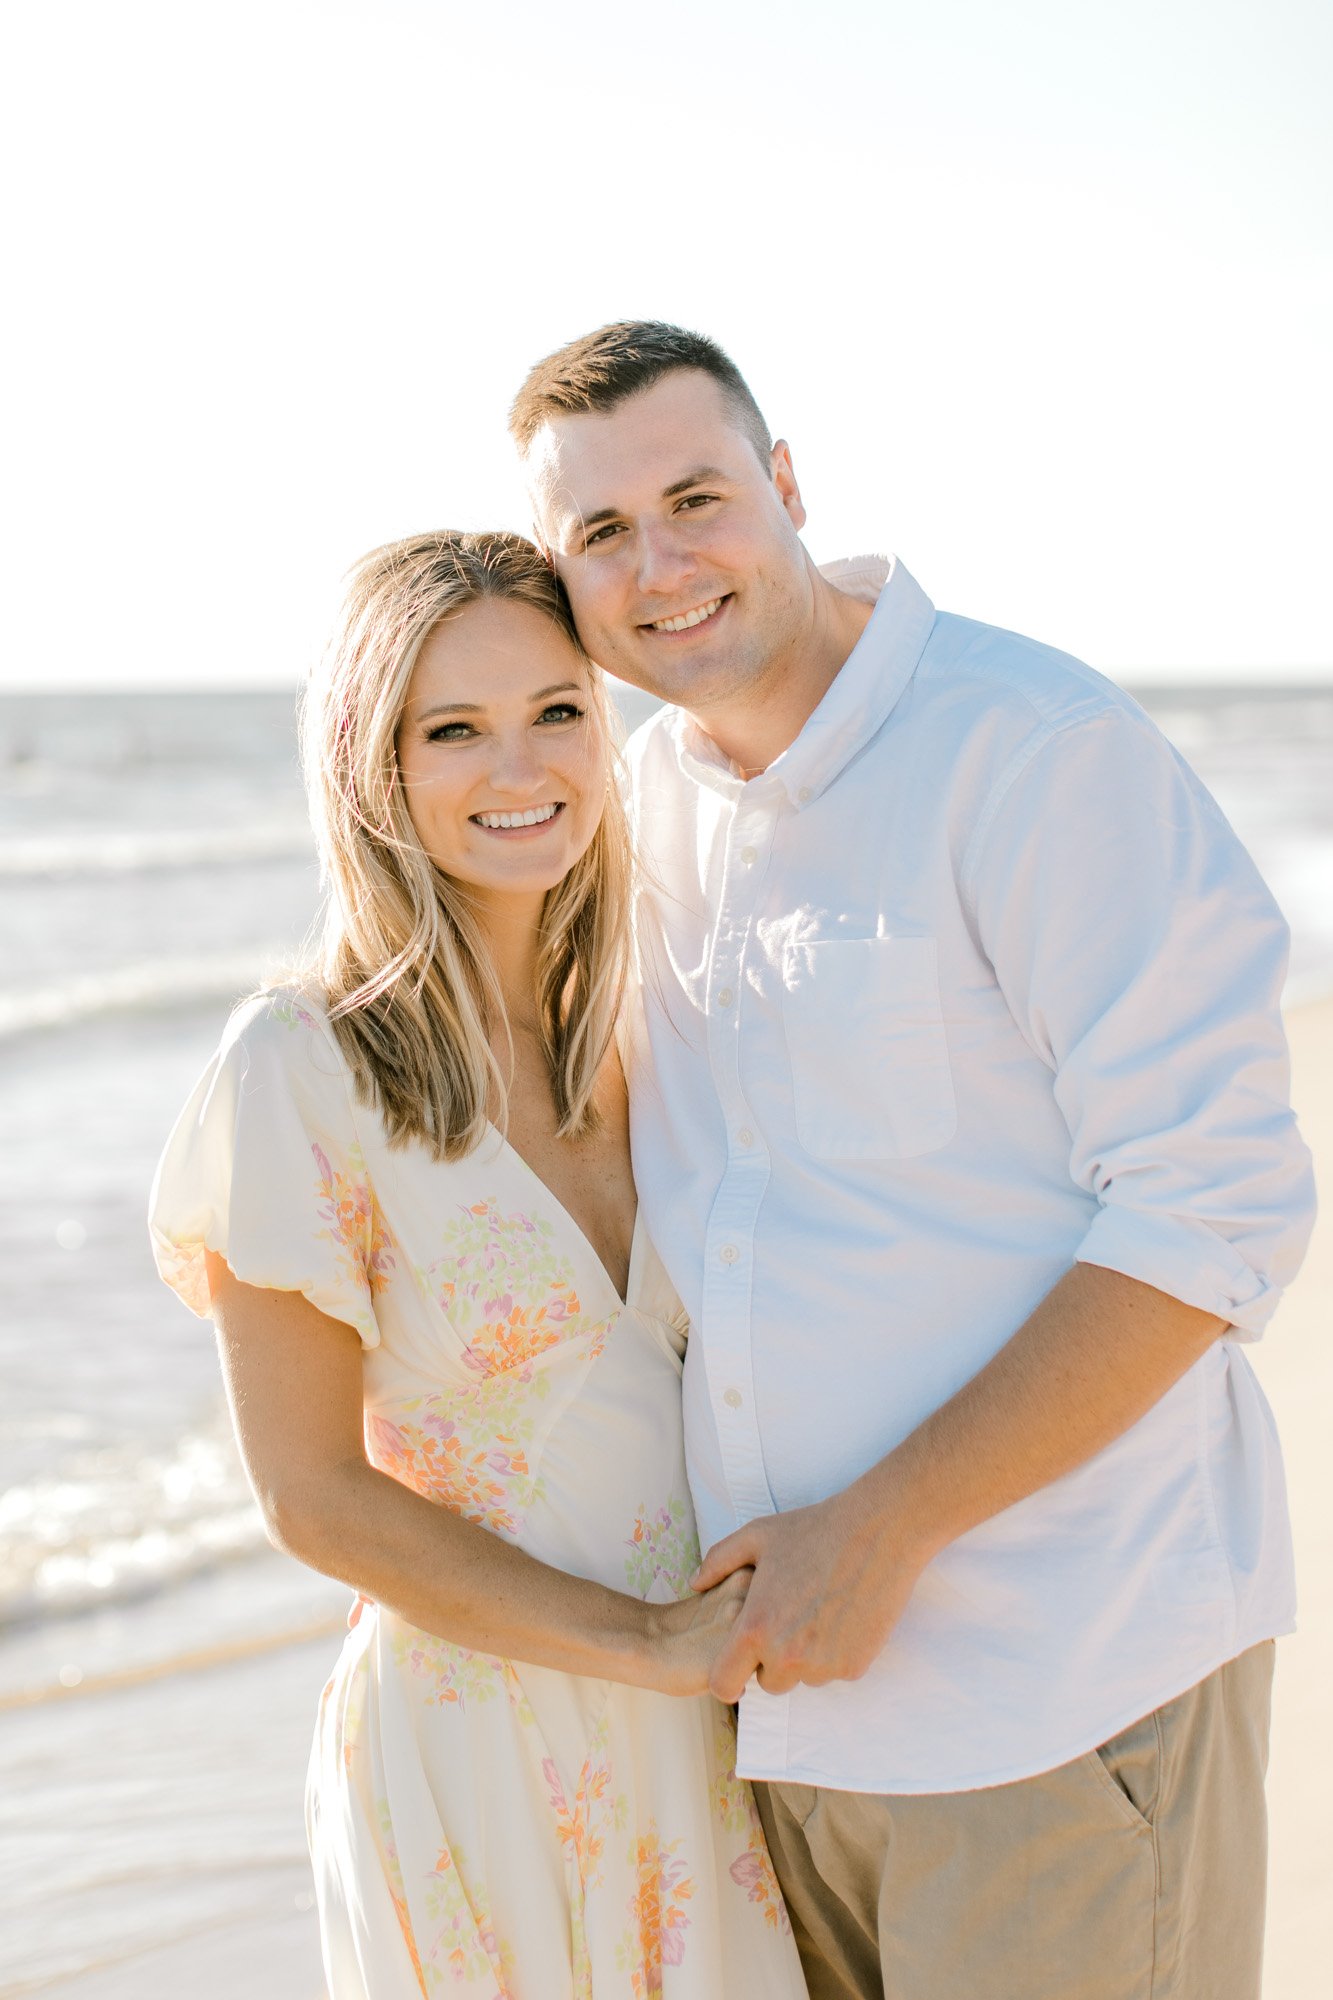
x=664, y=560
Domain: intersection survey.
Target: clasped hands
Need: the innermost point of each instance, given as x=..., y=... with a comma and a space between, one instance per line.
x=827, y=1589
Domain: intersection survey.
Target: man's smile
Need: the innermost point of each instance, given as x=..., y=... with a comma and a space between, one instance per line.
x=687, y=621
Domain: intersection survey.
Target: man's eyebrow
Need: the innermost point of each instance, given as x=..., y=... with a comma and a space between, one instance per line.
x=701, y=475
x=478, y=708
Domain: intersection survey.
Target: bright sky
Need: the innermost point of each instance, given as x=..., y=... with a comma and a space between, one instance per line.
x=1041, y=294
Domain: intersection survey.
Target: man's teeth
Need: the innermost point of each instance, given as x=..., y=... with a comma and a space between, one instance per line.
x=533, y=817
x=695, y=617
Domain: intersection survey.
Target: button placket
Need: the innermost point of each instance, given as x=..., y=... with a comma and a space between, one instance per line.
x=730, y=1235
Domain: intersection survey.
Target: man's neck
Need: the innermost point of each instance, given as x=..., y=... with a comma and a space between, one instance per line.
x=753, y=731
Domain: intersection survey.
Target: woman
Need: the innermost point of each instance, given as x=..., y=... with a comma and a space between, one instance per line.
x=403, y=1194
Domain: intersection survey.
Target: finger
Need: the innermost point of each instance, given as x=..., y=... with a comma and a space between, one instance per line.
x=724, y=1559
x=734, y=1666
x=780, y=1680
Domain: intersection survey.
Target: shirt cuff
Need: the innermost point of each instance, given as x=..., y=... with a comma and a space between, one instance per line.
x=1184, y=1258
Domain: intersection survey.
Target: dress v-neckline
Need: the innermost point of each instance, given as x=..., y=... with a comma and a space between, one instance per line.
x=579, y=1231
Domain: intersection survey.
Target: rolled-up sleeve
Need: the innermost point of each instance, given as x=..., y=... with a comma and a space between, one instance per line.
x=1143, y=958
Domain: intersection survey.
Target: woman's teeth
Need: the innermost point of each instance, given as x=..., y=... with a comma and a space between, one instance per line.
x=688, y=618
x=533, y=817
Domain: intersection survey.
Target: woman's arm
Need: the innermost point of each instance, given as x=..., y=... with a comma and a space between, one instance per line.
x=294, y=1383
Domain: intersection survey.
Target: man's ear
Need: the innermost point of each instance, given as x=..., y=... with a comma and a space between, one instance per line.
x=784, y=478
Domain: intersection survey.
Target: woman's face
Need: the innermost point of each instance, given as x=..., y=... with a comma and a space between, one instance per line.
x=501, y=752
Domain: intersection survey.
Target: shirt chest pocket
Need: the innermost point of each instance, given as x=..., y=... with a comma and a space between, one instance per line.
x=869, y=1058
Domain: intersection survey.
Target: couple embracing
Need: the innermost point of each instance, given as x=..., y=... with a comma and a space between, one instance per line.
x=936, y=1008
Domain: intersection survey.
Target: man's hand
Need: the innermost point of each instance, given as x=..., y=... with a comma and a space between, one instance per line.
x=828, y=1589
x=831, y=1581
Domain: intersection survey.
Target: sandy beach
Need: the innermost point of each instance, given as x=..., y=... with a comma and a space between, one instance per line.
x=1295, y=1364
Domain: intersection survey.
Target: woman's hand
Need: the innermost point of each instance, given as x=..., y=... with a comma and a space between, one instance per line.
x=689, y=1637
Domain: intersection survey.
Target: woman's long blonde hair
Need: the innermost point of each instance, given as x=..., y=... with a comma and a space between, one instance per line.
x=411, y=991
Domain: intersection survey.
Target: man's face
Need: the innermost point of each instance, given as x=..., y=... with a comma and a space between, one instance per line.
x=678, y=546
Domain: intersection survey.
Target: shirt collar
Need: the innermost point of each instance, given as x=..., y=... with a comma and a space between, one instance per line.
x=864, y=692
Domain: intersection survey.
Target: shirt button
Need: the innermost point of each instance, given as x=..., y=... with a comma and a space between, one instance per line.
x=732, y=1398
x=804, y=794
x=749, y=856
x=745, y=1137
x=725, y=997
x=728, y=1253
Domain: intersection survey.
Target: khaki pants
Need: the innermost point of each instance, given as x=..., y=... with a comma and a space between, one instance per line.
x=1135, y=1872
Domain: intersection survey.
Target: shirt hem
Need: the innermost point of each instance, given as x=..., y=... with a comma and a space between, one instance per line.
x=809, y=1774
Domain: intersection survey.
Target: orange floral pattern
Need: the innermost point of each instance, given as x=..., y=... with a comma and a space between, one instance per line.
x=733, y=1802
x=463, y=1946
x=466, y=1450
x=583, y=1826
x=454, y=1673
x=659, y=1913
x=345, y=1202
x=509, y=1294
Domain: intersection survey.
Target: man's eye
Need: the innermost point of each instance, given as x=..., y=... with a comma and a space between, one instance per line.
x=561, y=711
x=694, y=500
x=603, y=534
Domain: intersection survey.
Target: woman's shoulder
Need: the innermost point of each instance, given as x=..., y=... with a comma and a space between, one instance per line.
x=286, y=1026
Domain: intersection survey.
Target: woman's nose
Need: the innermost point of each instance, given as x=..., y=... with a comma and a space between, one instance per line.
x=517, y=768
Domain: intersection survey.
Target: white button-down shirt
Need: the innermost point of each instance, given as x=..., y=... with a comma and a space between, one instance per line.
x=972, y=983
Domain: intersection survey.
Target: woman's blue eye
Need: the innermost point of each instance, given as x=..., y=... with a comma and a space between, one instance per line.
x=561, y=711
x=448, y=732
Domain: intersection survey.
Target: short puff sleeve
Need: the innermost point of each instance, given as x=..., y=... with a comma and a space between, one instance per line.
x=264, y=1167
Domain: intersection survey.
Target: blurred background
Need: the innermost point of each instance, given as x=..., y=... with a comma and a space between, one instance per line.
x=1042, y=297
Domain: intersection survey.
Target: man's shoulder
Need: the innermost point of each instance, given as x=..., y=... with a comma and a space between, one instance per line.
x=652, y=746
x=1011, y=674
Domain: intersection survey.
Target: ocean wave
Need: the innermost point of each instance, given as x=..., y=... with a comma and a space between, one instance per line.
x=147, y=987
x=127, y=1528
x=112, y=851
x=191, y=1660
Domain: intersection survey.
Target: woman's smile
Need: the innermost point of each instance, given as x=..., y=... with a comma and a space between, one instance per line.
x=536, y=819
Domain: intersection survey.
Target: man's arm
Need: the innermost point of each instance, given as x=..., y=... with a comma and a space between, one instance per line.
x=831, y=1580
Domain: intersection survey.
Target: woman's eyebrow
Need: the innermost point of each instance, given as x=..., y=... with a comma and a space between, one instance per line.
x=478, y=708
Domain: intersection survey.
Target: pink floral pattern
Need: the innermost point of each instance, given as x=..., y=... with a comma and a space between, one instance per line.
x=467, y=1450
x=507, y=1291
x=733, y=1802
x=454, y=1674
x=582, y=1826
x=664, y=1551
x=345, y=1203
x=463, y=1944
x=659, y=1913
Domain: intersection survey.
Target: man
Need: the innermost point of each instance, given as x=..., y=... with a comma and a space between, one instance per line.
x=959, y=1121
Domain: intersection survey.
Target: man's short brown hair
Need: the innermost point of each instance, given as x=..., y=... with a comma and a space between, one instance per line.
x=604, y=368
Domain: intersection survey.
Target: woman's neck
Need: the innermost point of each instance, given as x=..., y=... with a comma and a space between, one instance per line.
x=511, y=932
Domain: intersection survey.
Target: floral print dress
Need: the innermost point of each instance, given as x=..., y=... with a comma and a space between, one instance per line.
x=480, y=1827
